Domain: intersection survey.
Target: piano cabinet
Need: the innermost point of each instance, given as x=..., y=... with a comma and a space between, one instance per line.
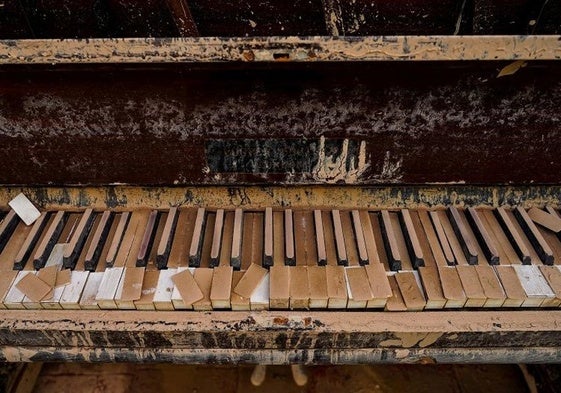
x=334, y=124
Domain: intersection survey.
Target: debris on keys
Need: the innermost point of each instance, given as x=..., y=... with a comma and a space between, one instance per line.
x=24, y=209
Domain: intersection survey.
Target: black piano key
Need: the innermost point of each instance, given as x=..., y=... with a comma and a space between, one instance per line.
x=485, y=240
x=166, y=241
x=98, y=241
x=390, y=242
x=237, y=236
x=513, y=236
x=342, y=258
x=359, y=237
x=411, y=239
x=147, y=239
x=268, y=241
x=9, y=223
x=31, y=241
x=534, y=236
x=289, y=247
x=51, y=237
x=198, y=239
x=442, y=238
x=217, y=238
x=78, y=239
x=467, y=242
x=320, y=238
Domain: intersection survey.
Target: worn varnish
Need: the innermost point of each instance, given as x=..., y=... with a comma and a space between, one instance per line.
x=389, y=122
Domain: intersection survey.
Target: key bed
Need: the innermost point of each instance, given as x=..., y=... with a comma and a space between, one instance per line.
x=204, y=259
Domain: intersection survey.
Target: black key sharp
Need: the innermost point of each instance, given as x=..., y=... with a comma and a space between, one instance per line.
x=98, y=241
x=78, y=239
x=166, y=241
x=147, y=239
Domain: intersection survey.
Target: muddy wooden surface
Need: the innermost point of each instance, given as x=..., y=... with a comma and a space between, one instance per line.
x=354, y=123
x=259, y=197
x=281, y=338
x=168, y=18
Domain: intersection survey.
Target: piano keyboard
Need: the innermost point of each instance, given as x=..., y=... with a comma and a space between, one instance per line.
x=202, y=259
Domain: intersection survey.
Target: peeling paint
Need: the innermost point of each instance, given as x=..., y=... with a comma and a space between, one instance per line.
x=408, y=340
x=371, y=48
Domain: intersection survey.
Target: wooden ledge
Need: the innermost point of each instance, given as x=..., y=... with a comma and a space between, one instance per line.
x=272, y=49
x=281, y=337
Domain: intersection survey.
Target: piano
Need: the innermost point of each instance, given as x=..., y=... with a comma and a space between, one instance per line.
x=313, y=183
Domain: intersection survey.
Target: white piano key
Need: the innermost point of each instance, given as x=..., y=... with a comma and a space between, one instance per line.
x=24, y=209
x=87, y=300
x=535, y=285
x=108, y=288
x=72, y=293
x=259, y=299
x=176, y=298
x=164, y=290
x=14, y=297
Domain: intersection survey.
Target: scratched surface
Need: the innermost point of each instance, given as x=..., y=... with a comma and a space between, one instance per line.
x=409, y=122
x=307, y=337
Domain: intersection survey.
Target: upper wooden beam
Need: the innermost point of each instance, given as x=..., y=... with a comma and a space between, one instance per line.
x=301, y=49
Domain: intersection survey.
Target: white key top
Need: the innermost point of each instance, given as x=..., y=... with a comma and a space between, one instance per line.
x=535, y=285
x=72, y=293
x=87, y=300
x=176, y=298
x=108, y=288
x=24, y=209
x=259, y=299
x=164, y=290
x=14, y=297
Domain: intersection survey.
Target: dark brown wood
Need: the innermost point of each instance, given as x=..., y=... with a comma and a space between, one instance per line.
x=31, y=241
x=258, y=123
x=147, y=239
x=485, y=240
x=536, y=239
x=166, y=241
x=78, y=239
x=51, y=237
x=182, y=17
x=465, y=238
